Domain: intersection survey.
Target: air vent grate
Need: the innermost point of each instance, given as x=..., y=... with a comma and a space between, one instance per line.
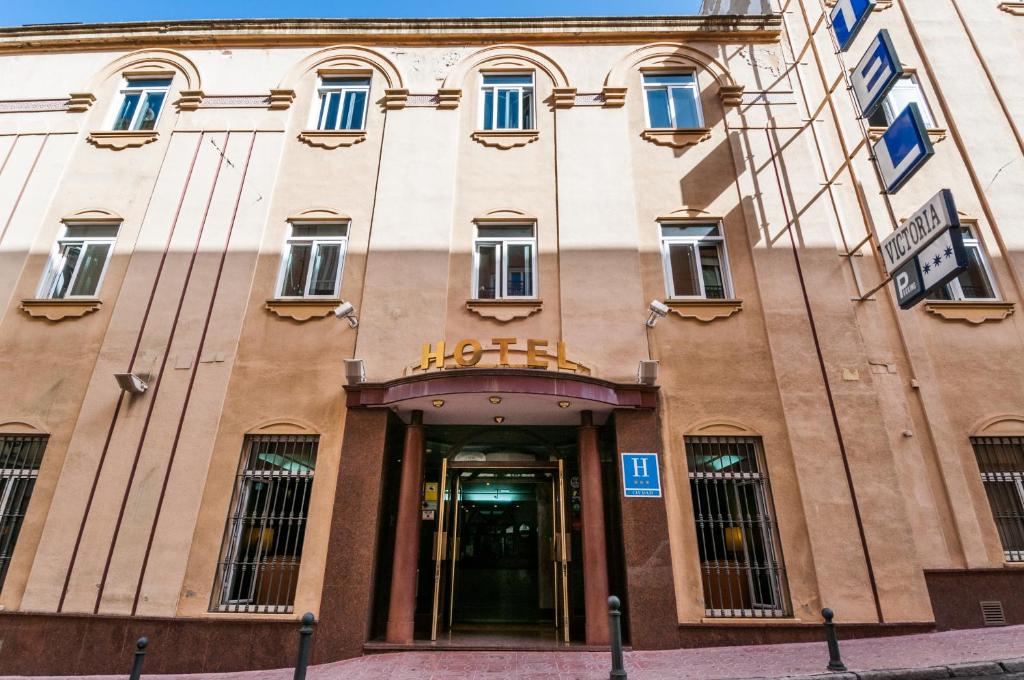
x=992, y=612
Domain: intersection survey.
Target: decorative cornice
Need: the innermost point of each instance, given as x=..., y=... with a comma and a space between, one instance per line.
x=119, y=140
x=281, y=99
x=302, y=310
x=504, y=311
x=1015, y=8
x=970, y=311
x=57, y=310
x=564, y=97
x=705, y=310
x=731, y=95
x=314, y=32
x=449, y=98
x=332, y=139
x=506, y=139
x=189, y=100
x=614, y=97
x=395, y=98
x=677, y=139
x=80, y=102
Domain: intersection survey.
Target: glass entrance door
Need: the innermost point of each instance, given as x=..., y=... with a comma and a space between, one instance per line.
x=501, y=549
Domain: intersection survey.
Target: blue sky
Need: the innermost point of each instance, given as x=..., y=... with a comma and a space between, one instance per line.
x=15, y=12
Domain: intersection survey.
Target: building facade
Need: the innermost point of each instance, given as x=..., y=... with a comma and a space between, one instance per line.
x=355, y=318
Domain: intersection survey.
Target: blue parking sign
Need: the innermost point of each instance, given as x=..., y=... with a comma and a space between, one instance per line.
x=640, y=475
x=847, y=18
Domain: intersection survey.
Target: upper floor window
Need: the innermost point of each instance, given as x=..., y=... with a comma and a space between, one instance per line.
x=20, y=458
x=343, y=102
x=505, y=262
x=262, y=551
x=141, y=102
x=507, y=102
x=976, y=282
x=313, y=260
x=906, y=91
x=1001, y=461
x=673, y=101
x=79, y=261
x=695, y=261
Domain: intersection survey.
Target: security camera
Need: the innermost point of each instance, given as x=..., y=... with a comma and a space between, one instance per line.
x=131, y=383
x=659, y=310
x=647, y=373
x=346, y=311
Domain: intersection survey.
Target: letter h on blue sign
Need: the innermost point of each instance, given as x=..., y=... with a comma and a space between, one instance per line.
x=847, y=18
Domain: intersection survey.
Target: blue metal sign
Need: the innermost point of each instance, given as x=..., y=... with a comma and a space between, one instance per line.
x=879, y=69
x=847, y=18
x=640, y=475
x=903, y=149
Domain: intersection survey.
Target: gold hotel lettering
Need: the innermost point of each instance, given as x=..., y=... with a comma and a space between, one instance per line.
x=468, y=353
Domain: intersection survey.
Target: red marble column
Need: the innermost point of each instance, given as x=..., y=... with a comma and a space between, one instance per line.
x=595, y=559
x=402, y=607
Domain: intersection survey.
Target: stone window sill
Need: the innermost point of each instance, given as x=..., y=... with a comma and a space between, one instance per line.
x=677, y=139
x=504, y=310
x=751, y=620
x=705, y=311
x=119, y=140
x=302, y=310
x=936, y=135
x=506, y=139
x=332, y=139
x=57, y=310
x=971, y=311
x=1015, y=8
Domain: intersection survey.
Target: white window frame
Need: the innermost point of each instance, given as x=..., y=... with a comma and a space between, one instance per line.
x=144, y=92
x=909, y=81
x=695, y=241
x=315, y=243
x=521, y=89
x=695, y=87
x=503, y=244
x=956, y=291
x=318, y=111
x=57, y=260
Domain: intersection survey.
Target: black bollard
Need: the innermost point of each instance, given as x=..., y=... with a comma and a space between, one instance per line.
x=835, y=662
x=615, y=626
x=140, y=656
x=305, y=638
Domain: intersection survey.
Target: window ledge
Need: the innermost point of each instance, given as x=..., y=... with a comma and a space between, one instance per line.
x=506, y=139
x=936, y=135
x=971, y=311
x=504, y=310
x=119, y=140
x=677, y=139
x=332, y=139
x=303, y=310
x=1015, y=8
x=705, y=311
x=751, y=620
x=57, y=310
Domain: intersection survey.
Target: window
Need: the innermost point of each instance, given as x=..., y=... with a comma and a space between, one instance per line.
x=505, y=262
x=78, y=261
x=976, y=282
x=314, y=257
x=141, y=102
x=263, y=539
x=343, y=103
x=20, y=457
x=906, y=91
x=508, y=102
x=741, y=566
x=673, y=101
x=695, y=261
x=1001, y=461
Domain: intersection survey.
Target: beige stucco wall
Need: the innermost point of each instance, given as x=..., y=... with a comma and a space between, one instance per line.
x=205, y=211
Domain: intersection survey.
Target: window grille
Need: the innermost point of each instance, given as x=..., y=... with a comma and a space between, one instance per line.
x=1001, y=461
x=742, y=569
x=263, y=539
x=20, y=457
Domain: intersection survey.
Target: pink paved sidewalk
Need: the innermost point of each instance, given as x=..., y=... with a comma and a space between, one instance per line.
x=774, y=661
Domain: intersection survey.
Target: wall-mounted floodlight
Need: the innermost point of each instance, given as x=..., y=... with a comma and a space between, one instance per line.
x=131, y=383
x=659, y=310
x=355, y=371
x=647, y=373
x=346, y=311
